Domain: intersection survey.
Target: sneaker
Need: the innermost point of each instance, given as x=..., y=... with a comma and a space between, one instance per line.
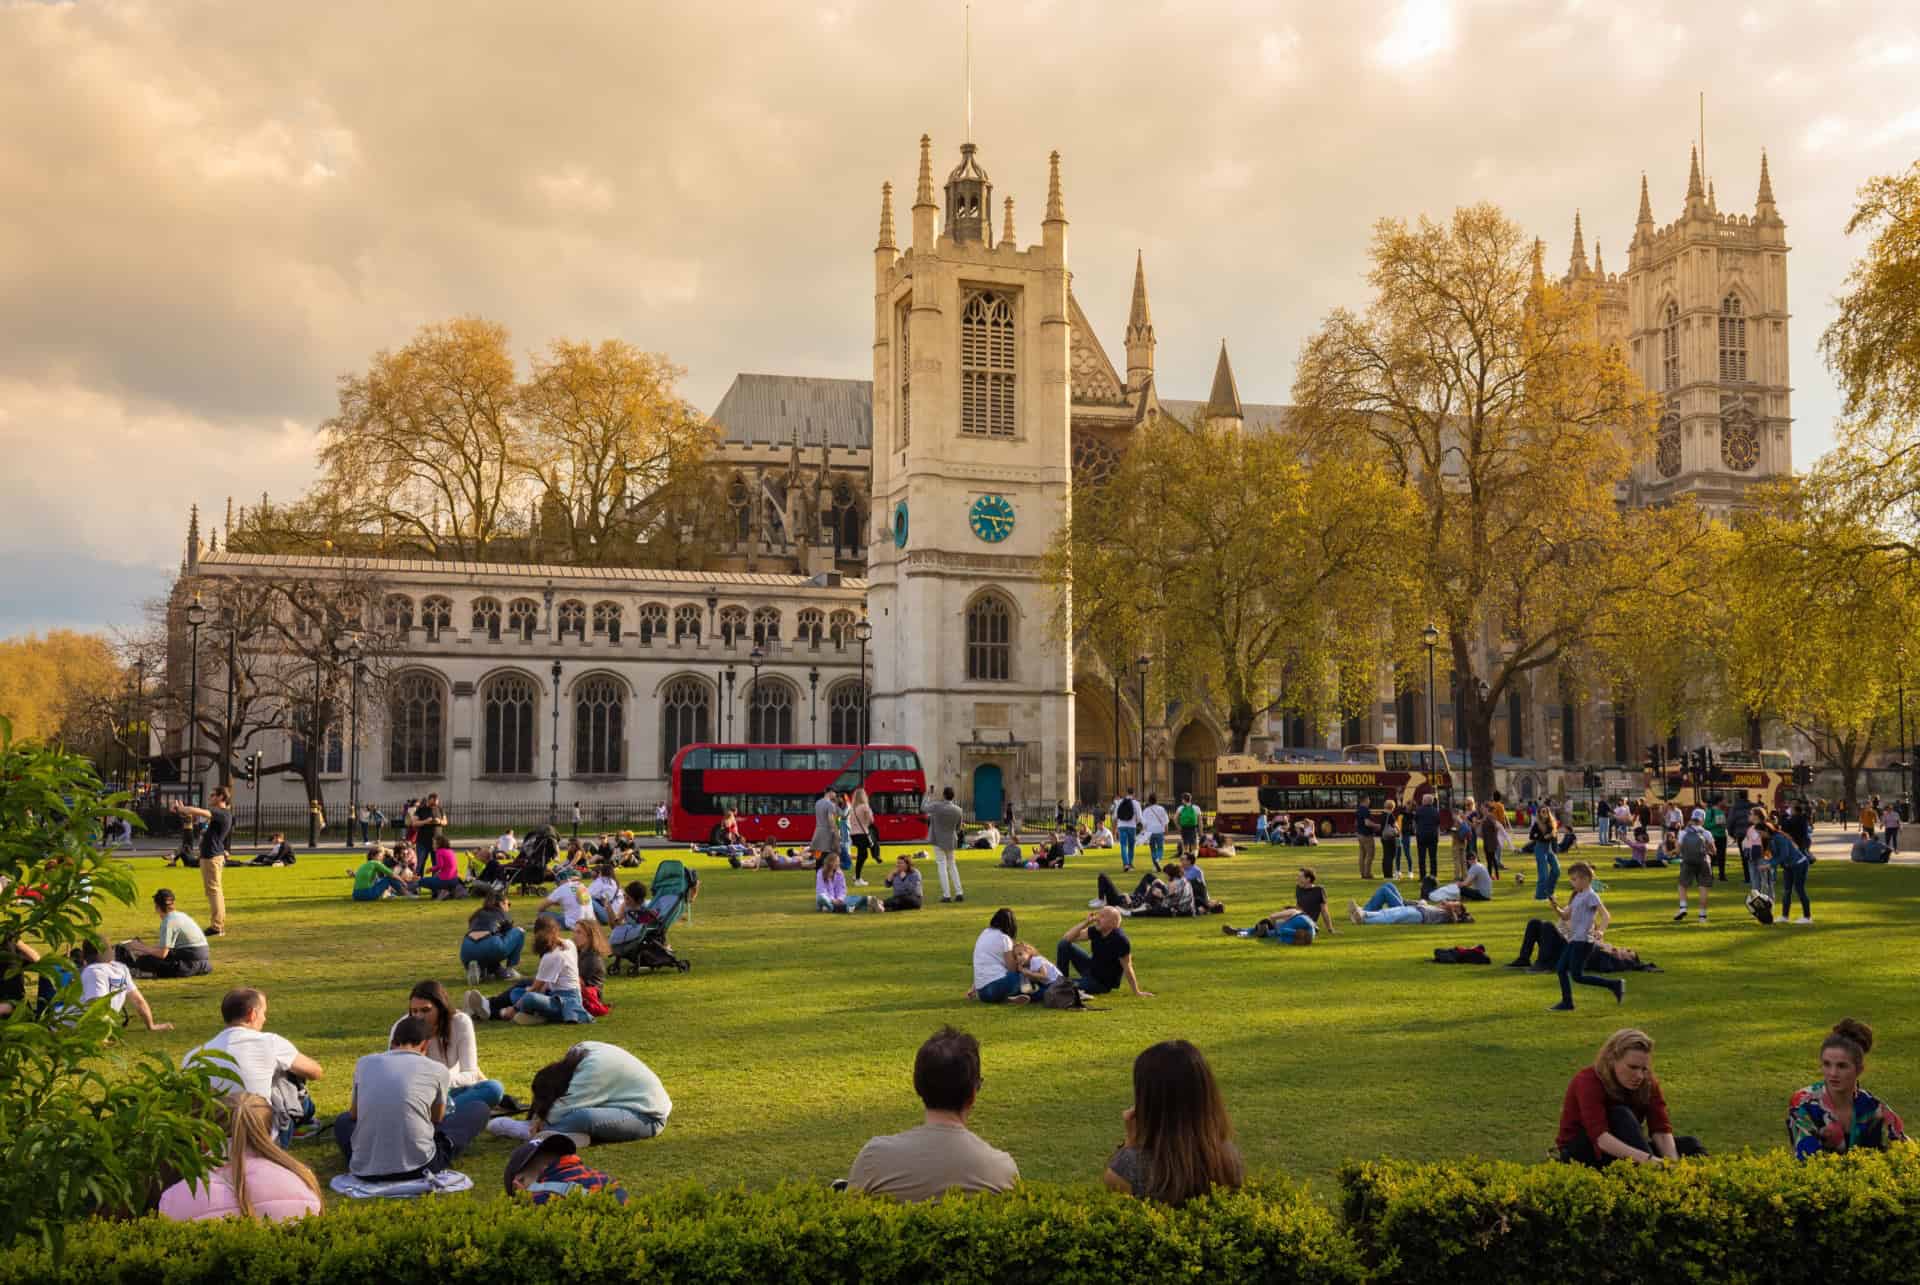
x=1703, y=921
x=859, y=883
x=1228, y=929
x=1094, y=903
x=1682, y=915
x=1619, y=992
x=1560, y=1008
x=1353, y=912
x=502, y=1126
x=1519, y=963
x=946, y=899
x=476, y=1006
x=473, y=972
x=1804, y=919
x=959, y=896
x=528, y=1019
x=509, y=974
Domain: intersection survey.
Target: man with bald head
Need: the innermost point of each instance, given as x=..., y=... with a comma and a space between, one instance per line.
x=1109, y=959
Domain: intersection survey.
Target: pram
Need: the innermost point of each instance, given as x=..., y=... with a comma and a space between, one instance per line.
x=645, y=945
x=526, y=870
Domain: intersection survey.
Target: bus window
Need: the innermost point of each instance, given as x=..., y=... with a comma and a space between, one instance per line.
x=892, y=761
x=696, y=760
x=801, y=761
x=897, y=804
x=1776, y=759
x=733, y=760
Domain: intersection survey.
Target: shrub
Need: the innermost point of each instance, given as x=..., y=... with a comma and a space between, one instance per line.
x=789, y=1234
x=1754, y=1217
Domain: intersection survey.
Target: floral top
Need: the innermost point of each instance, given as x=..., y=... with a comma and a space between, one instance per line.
x=1812, y=1128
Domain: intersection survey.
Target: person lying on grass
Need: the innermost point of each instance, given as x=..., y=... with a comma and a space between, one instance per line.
x=550, y=1168
x=1835, y=1114
x=1614, y=1110
x=1549, y=938
x=1179, y=1139
x=1387, y=906
x=1153, y=897
x=1309, y=904
x=1107, y=963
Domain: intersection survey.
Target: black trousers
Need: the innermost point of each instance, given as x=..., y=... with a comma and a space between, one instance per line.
x=1427, y=846
x=1624, y=1125
x=1720, y=857
x=1544, y=934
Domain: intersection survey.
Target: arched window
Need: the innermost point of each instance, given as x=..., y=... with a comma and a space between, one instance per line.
x=508, y=701
x=733, y=624
x=840, y=628
x=523, y=618
x=486, y=618
x=766, y=626
x=770, y=713
x=846, y=707
x=599, y=727
x=1670, y=348
x=653, y=623
x=1733, y=340
x=987, y=365
x=606, y=621
x=573, y=619
x=333, y=754
x=686, y=624
x=436, y=613
x=812, y=626
x=685, y=717
x=416, y=718
x=398, y=613
x=990, y=639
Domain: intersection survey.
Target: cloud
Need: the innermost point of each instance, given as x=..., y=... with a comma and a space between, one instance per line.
x=1422, y=29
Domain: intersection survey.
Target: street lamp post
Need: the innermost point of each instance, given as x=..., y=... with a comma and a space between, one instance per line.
x=553, y=767
x=350, y=647
x=864, y=632
x=1431, y=637
x=1116, y=733
x=139, y=697
x=1141, y=666
x=813, y=706
x=729, y=701
x=231, y=620
x=316, y=742
x=196, y=616
x=757, y=657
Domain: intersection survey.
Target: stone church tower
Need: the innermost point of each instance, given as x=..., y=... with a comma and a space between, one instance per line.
x=1706, y=305
x=971, y=477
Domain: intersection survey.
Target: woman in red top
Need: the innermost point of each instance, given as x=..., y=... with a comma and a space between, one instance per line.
x=1614, y=1107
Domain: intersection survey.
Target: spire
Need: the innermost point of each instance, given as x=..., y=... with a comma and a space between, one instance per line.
x=886, y=218
x=1764, y=207
x=1006, y=233
x=1139, y=329
x=1646, y=205
x=1713, y=202
x=1577, y=262
x=1140, y=316
x=923, y=195
x=192, y=560
x=1694, y=186
x=1056, y=208
x=1224, y=401
x=1598, y=271
x=1539, y=283
x=229, y=520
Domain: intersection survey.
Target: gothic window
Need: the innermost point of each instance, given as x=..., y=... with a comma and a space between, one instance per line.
x=599, y=727
x=770, y=713
x=1739, y=440
x=685, y=716
x=906, y=379
x=523, y=618
x=987, y=384
x=1093, y=460
x=766, y=626
x=1666, y=455
x=509, y=703
x=573, y=618
x=416, y=718
x=1670, y=348
x=436, y=613
x=840, y=628
x=1733, y=341
x=606, y=621
x=733, y=624
x=333, y=753
x=990, y=639
x=812, y=627
x=846, y=706
x=686, y=624
x=653, y=623
x=398, y=614
x=486, y=618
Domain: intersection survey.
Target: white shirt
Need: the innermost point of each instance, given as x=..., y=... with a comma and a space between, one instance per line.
x=460, y=1055
x=1153, y=819
x=990, y=950
x=605, y=889
x=560, y=968
x=506, y=843
x=1042, y=965
x=258, y=1056
x=573, y=902
x=113, y=978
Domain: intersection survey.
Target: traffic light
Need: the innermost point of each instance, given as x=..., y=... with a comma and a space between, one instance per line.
x=246, y=770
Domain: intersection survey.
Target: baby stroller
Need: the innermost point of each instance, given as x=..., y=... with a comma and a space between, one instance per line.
x=645, y=945
x=528, y=869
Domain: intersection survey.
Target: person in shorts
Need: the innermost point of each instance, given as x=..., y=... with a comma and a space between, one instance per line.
x=1188, y=818
x=1696, y=863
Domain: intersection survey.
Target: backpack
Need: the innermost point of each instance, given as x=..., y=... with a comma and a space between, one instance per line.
x=1460, y=955
x=1062, y=994
x=1123, y=811
x=1692, y=848
x=1760, y=906
x=1189, y=816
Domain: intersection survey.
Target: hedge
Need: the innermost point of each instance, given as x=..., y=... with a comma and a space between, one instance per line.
x=1275, y=1232
x=1755, y=1217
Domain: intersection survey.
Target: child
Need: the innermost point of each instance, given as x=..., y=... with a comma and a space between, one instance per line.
x=1031, y=964
x=1639, y=845
x=1587, y=920
x=604, y=892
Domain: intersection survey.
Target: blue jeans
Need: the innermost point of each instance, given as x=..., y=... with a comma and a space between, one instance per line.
x=1385, y=897
x=1127, y=834
x=487, y=1091
x=1001, y=991
x=1157, y=848
x=378, y=888
x=1546, y=870
x=608, y=1124
x=1793, y=878
x=856, y=902
x=1603, y=828
x=432, y=884
x=502, y=950
x=1068, y=958
x=555, y=1006
x=1572, y=968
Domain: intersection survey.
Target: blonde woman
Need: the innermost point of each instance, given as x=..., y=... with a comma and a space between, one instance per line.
x=258, y=1180
x=860, y=831
x=1614, y=1110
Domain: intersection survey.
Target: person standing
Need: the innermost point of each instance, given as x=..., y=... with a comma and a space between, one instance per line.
x=1389, y=838
x=218, y=816
x=1587, y=920
x=660, y=820
x=1603, y=824
x=1546, y=864
x=943, y=832
x=1365, y=830
x=1696, y=869
x=1716, y=824
x=860, y=832
x=1739, y=821
x=1890, y=822
x=1126, y=825
x=826, y=826
x=1426, y=827
x=427, y=818
x=1153, y=824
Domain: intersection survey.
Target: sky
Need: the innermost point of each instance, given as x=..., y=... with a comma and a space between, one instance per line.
x=215, y=208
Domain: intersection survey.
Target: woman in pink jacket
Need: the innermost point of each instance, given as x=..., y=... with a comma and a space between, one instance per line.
x=259, y=1179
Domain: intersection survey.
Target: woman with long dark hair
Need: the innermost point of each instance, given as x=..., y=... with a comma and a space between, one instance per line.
x=996, y=975
x=1179, y=1140
x=1543, y=835
x=1836, y=1114
x=259, y=1178
x=599, y=1092
x=452, y=1044
x=492, y=945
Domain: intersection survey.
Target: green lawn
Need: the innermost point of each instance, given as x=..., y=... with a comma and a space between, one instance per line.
x=791, y=1041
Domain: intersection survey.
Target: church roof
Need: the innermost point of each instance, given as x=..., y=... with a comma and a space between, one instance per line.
x=402, y=568
x=1095, y=381
x=1259, y=416
x=768, y=410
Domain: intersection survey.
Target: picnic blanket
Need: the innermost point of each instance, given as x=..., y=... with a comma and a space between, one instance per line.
x=433, y=1184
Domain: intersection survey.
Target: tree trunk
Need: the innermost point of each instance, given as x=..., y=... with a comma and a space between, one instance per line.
x=1480, y=745
x=1753, y=732
x=1850, y=787
x=1239, y=726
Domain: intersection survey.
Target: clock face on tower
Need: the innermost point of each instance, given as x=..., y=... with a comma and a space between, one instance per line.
x=900, y=525
x=992, y=518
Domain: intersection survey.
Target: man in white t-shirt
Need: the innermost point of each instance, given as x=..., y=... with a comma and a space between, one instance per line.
x=112, y=981
x=263, y=1063
x=1153, y=824
x=507, y=844
x=572, y=900
x=941, y=1155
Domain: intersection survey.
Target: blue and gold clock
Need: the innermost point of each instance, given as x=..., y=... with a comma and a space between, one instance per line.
x=991, y=518
x=900, y=525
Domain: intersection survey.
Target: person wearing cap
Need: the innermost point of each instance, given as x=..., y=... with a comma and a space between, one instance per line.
x=549, y=1167
x=1696, y=863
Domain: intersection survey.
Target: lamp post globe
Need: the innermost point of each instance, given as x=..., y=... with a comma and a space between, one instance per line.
x=863, y=630
x=1431, y=637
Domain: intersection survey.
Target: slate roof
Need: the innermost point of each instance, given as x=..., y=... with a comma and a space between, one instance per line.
x=767, y=410
x=400, y=568
x=1258, y=416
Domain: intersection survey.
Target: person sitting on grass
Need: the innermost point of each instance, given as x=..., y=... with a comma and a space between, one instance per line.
x=568, y=900
x=492, y=945
x=257, y=1180
x=549, y=1168
x=830, y=888
x=1179, y=1139
x=1034, y=967
x=941, y=1154
x=996, y=971
x=1012, y=856
x=444, y=883
x=451, y=1043
x=1614, y=1110
x=375, y=879
x=593, y=949
x=182, y=951
x=1835, y=1114
x=1587, y=920
x=905, y=884
x=111, y=981
x=15, y=955
x=1387, y=906
x=264, y=1064
x=597, y=1094
x=398, y=1125
x=1214, y=845
x=279, y=853
x=553, y=993
x=1109, y=960
x=1102, y=837
x=1475, y=885
x=604, y=892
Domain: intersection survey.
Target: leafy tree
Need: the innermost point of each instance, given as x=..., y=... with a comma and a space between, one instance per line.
x=1236, y=561
x=81, y=1133
x=1873, y=344
x=1508, y=425
x=60, y=686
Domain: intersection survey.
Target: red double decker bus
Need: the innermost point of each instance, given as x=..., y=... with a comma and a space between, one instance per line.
x=772, y=789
